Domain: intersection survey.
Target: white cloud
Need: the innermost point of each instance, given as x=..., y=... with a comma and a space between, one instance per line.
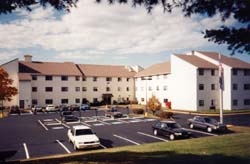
x=8, y=55
x=93, y=30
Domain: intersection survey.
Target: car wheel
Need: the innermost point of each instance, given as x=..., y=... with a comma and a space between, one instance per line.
x=209, y=129
x=191, y=126
x=171, y=137
x=155, y=132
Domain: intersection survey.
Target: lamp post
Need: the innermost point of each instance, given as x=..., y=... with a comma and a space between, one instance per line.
x=146, y=96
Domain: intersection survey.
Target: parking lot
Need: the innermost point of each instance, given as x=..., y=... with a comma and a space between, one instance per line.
x=28, y=136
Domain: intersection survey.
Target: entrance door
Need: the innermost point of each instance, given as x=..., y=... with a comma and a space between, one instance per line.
x=21, y=104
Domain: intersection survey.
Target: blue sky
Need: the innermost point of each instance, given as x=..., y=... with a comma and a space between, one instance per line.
x=105, y=34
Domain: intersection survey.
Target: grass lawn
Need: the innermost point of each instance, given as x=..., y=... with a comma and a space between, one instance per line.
x=228, y=149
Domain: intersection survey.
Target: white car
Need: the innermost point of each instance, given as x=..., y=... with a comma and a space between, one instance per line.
x=83, y=137
x=50, y=108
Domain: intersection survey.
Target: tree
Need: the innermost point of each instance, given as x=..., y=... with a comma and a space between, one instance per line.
x=154, y=104
x=237, y=38
x=7, y=6
x=6, y=90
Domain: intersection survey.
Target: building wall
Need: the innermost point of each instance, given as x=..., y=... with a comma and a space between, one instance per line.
x=12, y=69
x=240, y=94
x=157, y=86
x=183, y=85
x=25, y=93
x=57, y=94
x=101, y=84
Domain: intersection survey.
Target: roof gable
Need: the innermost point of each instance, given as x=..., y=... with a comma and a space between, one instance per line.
x=196, y=61
x=49, y=68
x=156, y=69
x=230, y=61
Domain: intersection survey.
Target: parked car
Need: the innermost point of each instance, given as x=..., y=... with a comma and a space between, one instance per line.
x=74, y=107
x=207, y=123
x=85, y=107
x=113, y=113
x=63, y=108
x=15, y=110
x=37, y=108
x=50, y=108
x=83, y=137
x=70, y=118
x=171, y=129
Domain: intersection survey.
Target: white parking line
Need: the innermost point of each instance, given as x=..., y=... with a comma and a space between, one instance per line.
x=85, y=124
x=103, y=122
x=152, y=136
x=63, y=146
x=133, y=142
x=43, y=125
x=197, y=131
x=26, y=151
x=62, y=123
x=48, y=120
x=98, y=124
x=104, y=147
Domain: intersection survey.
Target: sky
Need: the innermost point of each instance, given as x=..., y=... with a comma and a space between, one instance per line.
x=101, y=33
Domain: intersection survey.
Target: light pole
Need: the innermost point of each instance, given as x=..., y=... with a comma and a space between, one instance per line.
x=146, y=96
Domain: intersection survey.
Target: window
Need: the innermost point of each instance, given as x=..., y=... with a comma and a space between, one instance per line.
x=150, y=88
x=64, y=101
x=108, y=79
x=64, y=78
x=64, y=89
x=34, y=89
x=94, y=78
x=95, y=89
x=212, y=72
x=201, y=87
x=213, y=87
x=77, y=101
x=34, y=77
x=77, y=78
x=48, y=78
x=107, y=89
x=235, y=102
x=127, y=88
x=201, y=102
x=119, y=79
x=84, y=89
x=165, y=87
x=165, y=76
x=201, y=71
x=246, y=101
x=49, y=89
x=157, y=88
x=48, y=101
x=246, y=72
x=119, y=89
x=235, y=72
x=95, y=100
x=142, y=99
x=84, y=79
x=127, y=79
x=246, y=86
x=77, y=89
x=34, y=102
x=235, y=86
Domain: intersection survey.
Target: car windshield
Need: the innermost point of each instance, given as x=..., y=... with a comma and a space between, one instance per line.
x=83, y=132
x=210, y=120
x=174, y=125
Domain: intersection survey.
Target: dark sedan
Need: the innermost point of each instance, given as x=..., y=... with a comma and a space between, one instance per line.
x=171, y=129
x=207, y=123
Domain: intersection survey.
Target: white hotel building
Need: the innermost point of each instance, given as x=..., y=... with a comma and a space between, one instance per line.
x=188, y=81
